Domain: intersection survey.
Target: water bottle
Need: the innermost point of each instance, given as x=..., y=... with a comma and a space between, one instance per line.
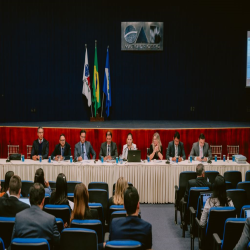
x=116, y=160
x=233, y=158
x=49, y=160
x=177, y=159
x=22, y=157
x=71, y=159
x=215, y=158
x=40, y=158
x=148, y=156
x=102, y=159
x=224, y=158
x=191, y=159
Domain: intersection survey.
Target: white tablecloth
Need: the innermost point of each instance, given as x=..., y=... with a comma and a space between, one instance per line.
x=155, y=181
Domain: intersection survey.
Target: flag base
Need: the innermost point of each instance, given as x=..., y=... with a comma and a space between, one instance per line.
x=97, y=118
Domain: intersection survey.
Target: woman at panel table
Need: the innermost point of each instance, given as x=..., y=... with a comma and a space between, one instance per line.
x=155, y=150
x=129, y=146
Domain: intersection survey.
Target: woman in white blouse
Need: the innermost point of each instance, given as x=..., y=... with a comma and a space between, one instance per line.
x=218, y=199
x=129, y=146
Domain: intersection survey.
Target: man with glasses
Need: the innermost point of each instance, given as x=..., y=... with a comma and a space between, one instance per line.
x=40, y=146
x=83, y=149
x=62, y=150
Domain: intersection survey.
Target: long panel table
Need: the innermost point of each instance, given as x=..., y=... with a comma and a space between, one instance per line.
x=155, y=181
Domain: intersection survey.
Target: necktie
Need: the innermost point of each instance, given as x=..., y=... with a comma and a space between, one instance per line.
x=108, y=149
x=176, y=153
x=82, y=148
x=62, y=151
x=201, y=154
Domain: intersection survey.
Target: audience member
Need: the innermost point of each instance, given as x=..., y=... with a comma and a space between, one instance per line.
x=33, y=222
x=245, y=237
x=218, y=199
x=10, y=206
x=155, y=150
x=5, y=189
x=39, y=178
x=120, y=187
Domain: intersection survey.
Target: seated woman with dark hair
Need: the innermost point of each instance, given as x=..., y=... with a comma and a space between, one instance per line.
x=120, y=187
x=5, y=188
x=218, y=199
x=39, y=178
x=81, y=208
x=59, y=196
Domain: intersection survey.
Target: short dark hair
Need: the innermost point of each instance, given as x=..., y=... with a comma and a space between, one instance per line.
x=37, y=194
x=131, y=199
x=82, y=131
x=202, y=136
x=200, y=169
x=39, y=128
x=8, y=175
x=62, y=135
x=108, y=133
x=177, y=135
x=15, y=185
x=130, y=134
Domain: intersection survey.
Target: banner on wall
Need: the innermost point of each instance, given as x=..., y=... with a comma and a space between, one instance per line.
x=142, y=36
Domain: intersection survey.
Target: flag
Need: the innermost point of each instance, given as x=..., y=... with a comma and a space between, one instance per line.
x=107, y=85
x=95, y=85
x=86, y=80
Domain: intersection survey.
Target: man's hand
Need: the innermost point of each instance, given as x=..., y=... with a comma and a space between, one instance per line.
x=174, y=159
x=35, y=157
x=198, y=159
x=79, y=158
x=46, y=183
x=180, y=159
x=204, y=159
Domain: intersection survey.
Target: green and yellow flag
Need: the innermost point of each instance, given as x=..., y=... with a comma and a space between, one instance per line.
x=96, y=86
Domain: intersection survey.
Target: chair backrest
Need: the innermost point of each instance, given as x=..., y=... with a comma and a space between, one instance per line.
x=232, y=232
x=247, y=176
x=99, y=208
x=239, y=198
x=6, y=228
x=211, y=175
x=99, y=185
x=243, y=211
x=59, y=211
x=129, y=184
x=13, y=149
x=78, y=238
x=29, y=243
x=60, y=224
x=246, y=186
x=2, y=247
x=194, y=193
x=114, y=208
x=95, y=225
x=228, y=185
x=71, y=186
x=47, y=198
x=52, y=184
x=100, y=196
x=234, y=177
x=233, y=150
x=216, y=150
x=123, y=244
x=216, y=221
x=183, y=180
x=70, y=196
x=29, y=148
x=118, y=214
x=26, y=185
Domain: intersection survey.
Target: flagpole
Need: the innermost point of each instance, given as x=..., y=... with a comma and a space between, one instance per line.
x=90, y=88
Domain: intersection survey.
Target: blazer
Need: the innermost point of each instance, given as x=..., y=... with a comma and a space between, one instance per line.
x=89, y=149
x=198, y=182
x=131, y=228
x=57, y=151
x=245, y=237
x=10, y=206
x=171, y=150
x=45, y=149
x=103, y=150
x=206, y=150
x=35, y=223
x=125, y=150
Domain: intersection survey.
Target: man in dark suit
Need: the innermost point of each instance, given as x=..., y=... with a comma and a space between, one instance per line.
x=131, y=227
x=245, y=237
x=40, y=146
x=10, y=205
x=200, y=181
x=201, y=150
x=34, y=222
x=62, y=150
x=83, y=149
x=108, y=149
x=176, y=149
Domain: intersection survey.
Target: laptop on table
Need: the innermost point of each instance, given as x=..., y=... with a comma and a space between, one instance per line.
x=134, y=156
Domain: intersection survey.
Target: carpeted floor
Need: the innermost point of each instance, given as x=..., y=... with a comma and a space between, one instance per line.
x=166, y=234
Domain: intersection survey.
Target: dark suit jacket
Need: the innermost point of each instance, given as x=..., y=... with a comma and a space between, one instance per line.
x=35, y=223
x=45, y=149
x=131, y=228
x=195, y=151
x=103, y=150
x=171, y=150
x=57, y=151
x=10, y=206
x=88, y=147
x=245, y=237
x=198, y=182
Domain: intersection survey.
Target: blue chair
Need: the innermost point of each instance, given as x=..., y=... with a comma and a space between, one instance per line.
x=2, y=247
x=180, y=191
x=47, y=198
x=228, y=185
x=52, y=185
x=234, y=177
x=99, y=185
x=118, y=214
x=78, y=238
x=123, y=244
x=129, y=184
x=215, y=224
x=99, y=208
x=247, y=176
x=26, y=185
x=211, y=175
x=70, y=196
x=59, y=211
x=243, y=211
x=246, y=186
x=60, y=224
x=71, y=186
x=6, y=228
x=232, y=232
x=114, y=208
x=239, y=198
x=95, y=225
x=29, y=243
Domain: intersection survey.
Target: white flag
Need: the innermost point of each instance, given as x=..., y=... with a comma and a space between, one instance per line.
x=86, y=80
